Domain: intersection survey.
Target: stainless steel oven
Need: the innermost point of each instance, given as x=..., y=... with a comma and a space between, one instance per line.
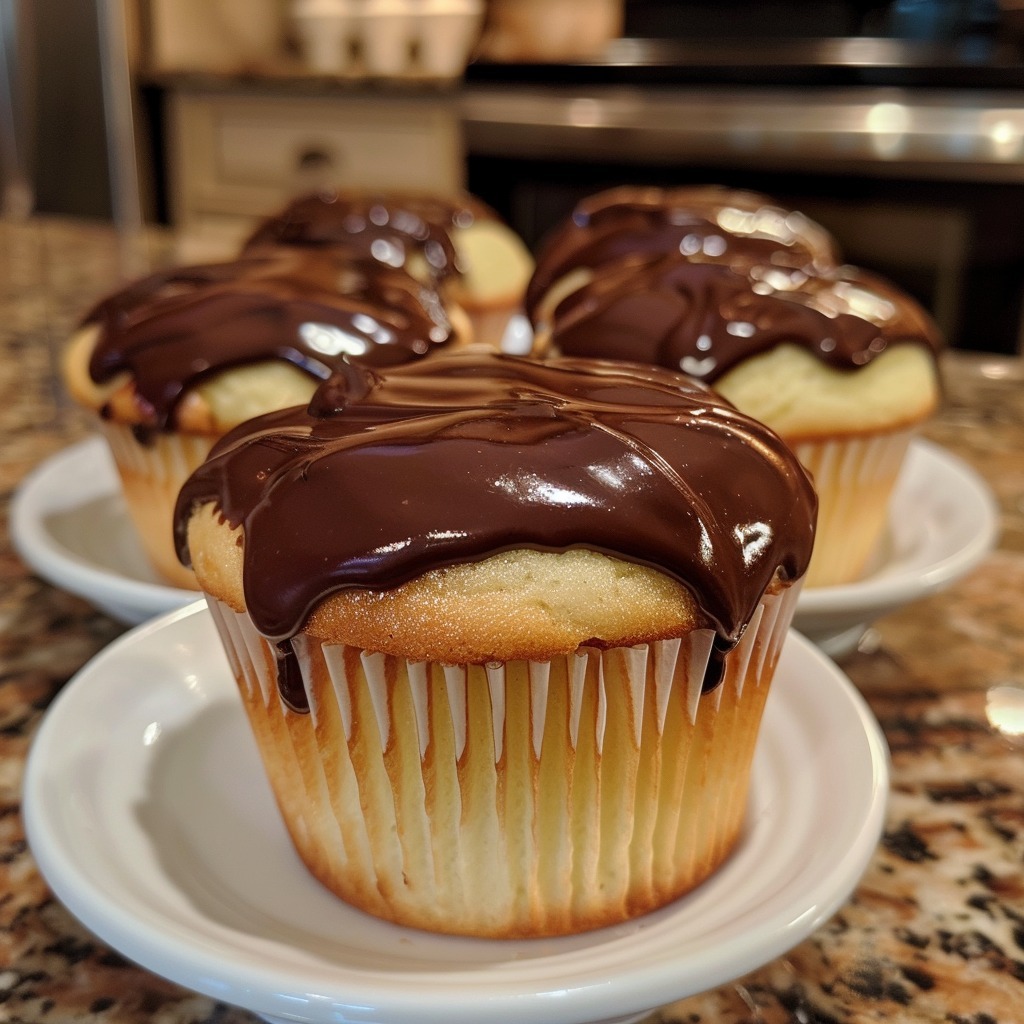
x=911, y=151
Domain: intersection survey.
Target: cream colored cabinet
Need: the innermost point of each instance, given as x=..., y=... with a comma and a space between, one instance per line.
x=235, y=156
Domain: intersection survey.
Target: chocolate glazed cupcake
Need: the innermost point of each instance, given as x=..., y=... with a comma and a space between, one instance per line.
x=748, y=296
x=841, y=364
x=457, y=244
x=504, y=630
x=175, y=359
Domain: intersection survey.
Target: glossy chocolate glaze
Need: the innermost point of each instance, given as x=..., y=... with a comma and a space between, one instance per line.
x=387, y=475
x=733, y=227
x=704, y=318
x=388, y=227
x=174, y=328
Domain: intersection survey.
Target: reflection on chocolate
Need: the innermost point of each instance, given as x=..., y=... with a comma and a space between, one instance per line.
x=732, y=227
x=175, y=328
x=387, y=227
x=704, y=318
x=390, y=474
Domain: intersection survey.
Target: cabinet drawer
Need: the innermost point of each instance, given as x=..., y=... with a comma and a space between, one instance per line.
x=244, y=156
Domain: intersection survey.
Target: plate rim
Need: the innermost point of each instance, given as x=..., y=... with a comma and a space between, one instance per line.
x=593, y=999
x=115, y=592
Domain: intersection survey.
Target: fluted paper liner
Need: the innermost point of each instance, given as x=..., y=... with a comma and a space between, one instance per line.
x=854, y=478
x=152, y=473
x=511, y=799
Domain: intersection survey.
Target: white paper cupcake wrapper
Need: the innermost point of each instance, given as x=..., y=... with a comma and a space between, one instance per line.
x=151, y=477
x=518, y=798
x=170, y=458
x=854, y=478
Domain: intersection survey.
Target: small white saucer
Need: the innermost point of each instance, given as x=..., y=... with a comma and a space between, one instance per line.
x=943, y=520
x=148, y=813
x=69, y=523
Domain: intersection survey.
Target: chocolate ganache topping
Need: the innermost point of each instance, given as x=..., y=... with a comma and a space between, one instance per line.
x=387, y=475
x=704, y=317
x=177, y=327
x=387, y=227
x=734, y=227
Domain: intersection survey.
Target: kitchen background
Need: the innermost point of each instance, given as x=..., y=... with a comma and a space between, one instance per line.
x=899, y=125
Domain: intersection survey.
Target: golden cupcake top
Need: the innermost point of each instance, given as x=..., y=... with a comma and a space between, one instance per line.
x=705, y=318
x=391, y=475
x=172, y=330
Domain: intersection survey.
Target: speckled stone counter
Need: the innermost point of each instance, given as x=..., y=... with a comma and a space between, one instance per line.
x=934, y=932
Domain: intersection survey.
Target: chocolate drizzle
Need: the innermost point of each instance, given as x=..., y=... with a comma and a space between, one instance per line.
x=705, y=318
x=701, y=279
x=736, y=228
x=173, y=329
x=389, y=227
x=390, y=474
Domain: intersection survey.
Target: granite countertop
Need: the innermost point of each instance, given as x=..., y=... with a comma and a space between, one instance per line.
x=934, y=931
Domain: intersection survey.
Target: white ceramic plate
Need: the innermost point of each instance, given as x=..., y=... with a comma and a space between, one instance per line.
x=148, y=813
x=69, y=523
x=943, y=520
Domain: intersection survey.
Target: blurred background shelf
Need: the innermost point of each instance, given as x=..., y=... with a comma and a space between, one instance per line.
x=899, y=125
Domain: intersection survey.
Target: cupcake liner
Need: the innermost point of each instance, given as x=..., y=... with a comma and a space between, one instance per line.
x=511, y=799
x=151, y=475
x=854, y=478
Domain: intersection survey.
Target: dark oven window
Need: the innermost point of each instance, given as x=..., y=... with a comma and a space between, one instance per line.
x=957, y=246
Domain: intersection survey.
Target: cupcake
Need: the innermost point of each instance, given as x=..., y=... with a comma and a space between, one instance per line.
x=172, y=361
x=458, y=244
x=504, y=630
x=840, y=363
x=730, y=226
